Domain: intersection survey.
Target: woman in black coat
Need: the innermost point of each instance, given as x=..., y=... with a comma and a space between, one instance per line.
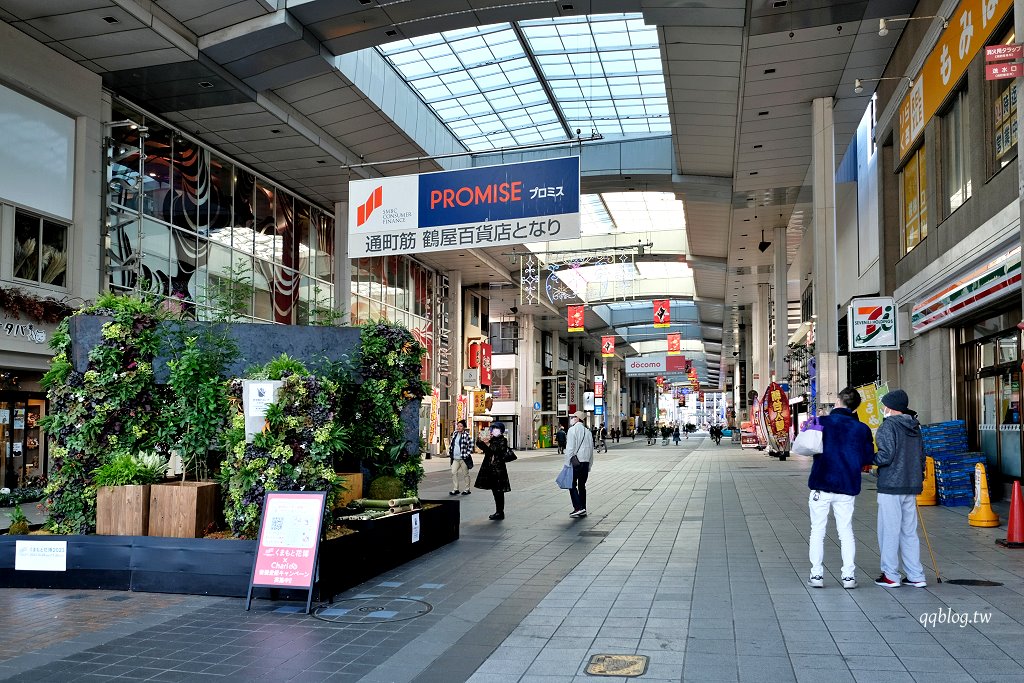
x=493, y=474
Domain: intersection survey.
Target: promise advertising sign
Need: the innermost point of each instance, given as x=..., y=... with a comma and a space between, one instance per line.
x=533, y=201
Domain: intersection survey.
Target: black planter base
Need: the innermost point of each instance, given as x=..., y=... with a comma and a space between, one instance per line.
x=201, y=566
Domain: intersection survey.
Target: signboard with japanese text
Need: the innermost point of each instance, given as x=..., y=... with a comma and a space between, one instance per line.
x=999, y=71
x=598, y=386
x=777, y=418
x=479, y=402
x=873, y=324
x=662, y=314
x=288, y=542
x=1001, y=52
x=489, y=206
x=674, y=342
x=870, y=409
x=608, y=346
x=41, y=556
x=576, y=316
x=435, y=414
x=970, y=27
x=485, y=364
x=461, y=408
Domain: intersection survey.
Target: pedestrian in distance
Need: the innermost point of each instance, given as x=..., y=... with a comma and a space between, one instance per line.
x=460, y=454
x=675, y=435
x=560, y=439
x=835, y=482
x=493, y=473
x=579, y=454
x=901, y=462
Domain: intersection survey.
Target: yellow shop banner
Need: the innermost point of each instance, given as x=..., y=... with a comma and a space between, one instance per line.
x=970, y=27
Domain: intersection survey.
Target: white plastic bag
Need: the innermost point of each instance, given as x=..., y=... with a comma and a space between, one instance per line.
x=807, y=442
x=564, y=478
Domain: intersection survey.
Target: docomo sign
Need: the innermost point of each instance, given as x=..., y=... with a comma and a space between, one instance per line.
x=534, y=201
x=656, y=364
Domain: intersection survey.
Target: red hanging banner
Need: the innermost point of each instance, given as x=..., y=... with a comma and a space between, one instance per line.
x=608, y=346
x=485, y=364
x=674, y=341
x=576, y=314
x=662, y=318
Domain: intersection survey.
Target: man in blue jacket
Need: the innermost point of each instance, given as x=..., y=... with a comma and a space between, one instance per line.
x=834, y=482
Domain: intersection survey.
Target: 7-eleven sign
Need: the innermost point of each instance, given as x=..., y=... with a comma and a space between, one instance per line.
x=608, y=346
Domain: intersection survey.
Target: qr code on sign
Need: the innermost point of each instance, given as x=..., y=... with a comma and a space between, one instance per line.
x=276, y=523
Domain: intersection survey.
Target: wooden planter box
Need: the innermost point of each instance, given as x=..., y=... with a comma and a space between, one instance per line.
x=354, y=486
x=122, y=510
x=183, y=509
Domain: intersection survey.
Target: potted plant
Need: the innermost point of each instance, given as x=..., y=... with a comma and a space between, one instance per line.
x=19, y=522
x=122, y=493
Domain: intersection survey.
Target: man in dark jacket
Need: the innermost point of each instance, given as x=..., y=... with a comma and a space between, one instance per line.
x=835, y=481
x=901, y=462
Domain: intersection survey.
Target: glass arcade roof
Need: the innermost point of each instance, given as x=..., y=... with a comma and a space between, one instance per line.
x=603, y=71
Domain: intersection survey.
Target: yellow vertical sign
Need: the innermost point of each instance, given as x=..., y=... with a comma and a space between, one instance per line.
x=970, y=27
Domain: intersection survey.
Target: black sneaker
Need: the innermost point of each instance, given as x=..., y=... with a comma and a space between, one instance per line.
x=465, y=493
x=453, y=493
x=496, y=516
x=885, y=582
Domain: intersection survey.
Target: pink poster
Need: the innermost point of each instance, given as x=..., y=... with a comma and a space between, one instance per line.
x=289, y=538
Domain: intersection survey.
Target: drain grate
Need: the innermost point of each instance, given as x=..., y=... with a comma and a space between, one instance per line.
x=372, y=610
x=644, y=490
x=972, y=582
x=617, y=665
x=594, y=532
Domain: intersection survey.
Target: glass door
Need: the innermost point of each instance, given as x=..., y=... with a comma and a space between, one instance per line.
x=987, y=423
x=1009, y=424
x=22, y=444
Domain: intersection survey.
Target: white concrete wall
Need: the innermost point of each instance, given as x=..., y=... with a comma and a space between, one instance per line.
x=926, y=375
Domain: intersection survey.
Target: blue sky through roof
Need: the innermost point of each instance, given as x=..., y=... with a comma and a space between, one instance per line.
x=603, y=70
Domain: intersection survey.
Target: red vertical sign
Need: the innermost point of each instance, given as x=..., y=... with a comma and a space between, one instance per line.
x=674, y=342
x=576, y=314
x=485, y=364
x=662, y=317
x=777, y=417
x=608, y=346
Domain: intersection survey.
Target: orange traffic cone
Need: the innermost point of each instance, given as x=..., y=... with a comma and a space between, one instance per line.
x=1015, y=525
x=982, y=514
x=927, y=495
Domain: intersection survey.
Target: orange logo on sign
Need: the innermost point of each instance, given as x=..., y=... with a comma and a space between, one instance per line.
x=373, y=202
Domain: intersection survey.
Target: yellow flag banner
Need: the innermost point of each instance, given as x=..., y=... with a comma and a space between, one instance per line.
x=870, y=410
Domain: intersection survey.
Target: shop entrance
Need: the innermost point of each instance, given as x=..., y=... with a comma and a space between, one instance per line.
x=992, y=380
x=22, y=445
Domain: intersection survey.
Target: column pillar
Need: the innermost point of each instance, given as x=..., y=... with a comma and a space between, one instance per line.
x=759, y=345
x=826, y=341
x=780, y=366
x=342, y=264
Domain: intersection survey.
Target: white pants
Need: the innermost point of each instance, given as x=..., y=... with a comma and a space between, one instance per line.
x=459, y=473
x=897, y=536
x=841, y=504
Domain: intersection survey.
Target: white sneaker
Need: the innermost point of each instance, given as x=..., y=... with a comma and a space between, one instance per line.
x=576, y=513
x=816, y=582
x=849, y=582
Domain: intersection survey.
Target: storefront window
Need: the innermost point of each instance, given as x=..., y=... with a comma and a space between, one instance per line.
x=1004, y=116
x=504, y=386
x=956, y=174
x=202, y=219
x=912, y=192
x=40, y=249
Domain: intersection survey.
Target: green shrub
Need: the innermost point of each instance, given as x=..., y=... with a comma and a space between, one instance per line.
x=125, y=470
x=386, y=488
x=19, y=522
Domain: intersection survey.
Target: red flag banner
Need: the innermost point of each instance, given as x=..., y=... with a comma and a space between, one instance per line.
x=674, y=341
x=662, y=318
x=576, y=314
x=777, y=417
x=608, y=346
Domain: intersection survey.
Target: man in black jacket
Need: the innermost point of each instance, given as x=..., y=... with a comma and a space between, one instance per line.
x=901, y=462
x=834, y=483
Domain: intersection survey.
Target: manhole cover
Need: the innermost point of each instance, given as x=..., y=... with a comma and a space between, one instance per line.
x=593, y=532
x=617, y=665
x=372, y=610
x=972, y=582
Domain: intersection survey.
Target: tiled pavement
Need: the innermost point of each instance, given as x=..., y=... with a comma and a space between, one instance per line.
x=694, y=556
